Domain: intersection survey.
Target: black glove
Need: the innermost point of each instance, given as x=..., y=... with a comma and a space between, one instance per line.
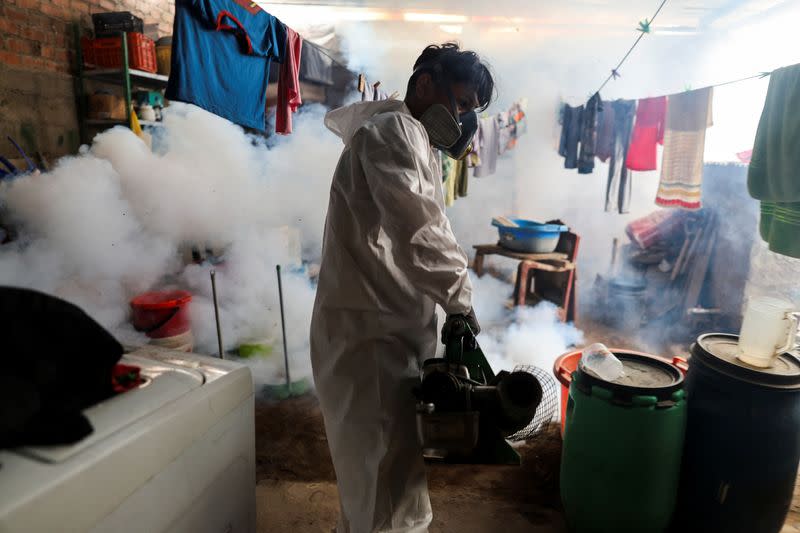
x=469, y=318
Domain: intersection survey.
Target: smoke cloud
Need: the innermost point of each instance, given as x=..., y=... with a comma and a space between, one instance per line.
x=118, y=219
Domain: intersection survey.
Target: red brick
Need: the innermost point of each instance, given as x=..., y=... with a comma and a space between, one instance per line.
x=29, y=4
x=7, y=27
x=24, y=46
x=48, y=52
x=18, y=15
x=10, y=58
x=49, y=64
x=61, y=55
x=107, y=5
x=55, y=11
x=32, y=62
x=80, y=6
x=35, y=34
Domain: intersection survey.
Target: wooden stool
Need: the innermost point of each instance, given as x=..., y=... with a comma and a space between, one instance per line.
x=540, y=277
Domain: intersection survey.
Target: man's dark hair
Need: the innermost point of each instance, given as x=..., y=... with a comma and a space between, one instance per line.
x=457, y=66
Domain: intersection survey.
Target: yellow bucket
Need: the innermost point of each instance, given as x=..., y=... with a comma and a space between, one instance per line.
x=164, y=55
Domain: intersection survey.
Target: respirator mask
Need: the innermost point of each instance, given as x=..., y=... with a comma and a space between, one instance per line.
x=448, y=130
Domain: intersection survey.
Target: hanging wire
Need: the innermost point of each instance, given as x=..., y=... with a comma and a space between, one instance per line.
x=324, y=52
x=760, y=75
x=643, y=29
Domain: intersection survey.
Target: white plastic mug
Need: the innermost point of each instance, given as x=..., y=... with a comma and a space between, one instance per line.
x=768, y=330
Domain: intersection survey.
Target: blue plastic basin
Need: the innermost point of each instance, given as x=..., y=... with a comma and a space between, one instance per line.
x=530, y=237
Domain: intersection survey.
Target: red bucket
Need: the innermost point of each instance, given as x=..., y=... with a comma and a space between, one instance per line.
x=162, y=314
x=568, y=363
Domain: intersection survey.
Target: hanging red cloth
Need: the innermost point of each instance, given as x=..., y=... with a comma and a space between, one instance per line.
x=289, y=83
x=648, y=131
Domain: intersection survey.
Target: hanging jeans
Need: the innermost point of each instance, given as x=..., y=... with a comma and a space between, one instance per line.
x=570, y=135
x=618, y=187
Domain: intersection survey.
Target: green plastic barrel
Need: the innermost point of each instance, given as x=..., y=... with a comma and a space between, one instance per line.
x=623, y=440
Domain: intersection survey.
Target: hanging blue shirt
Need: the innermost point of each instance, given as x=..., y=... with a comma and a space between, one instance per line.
x=221, y=53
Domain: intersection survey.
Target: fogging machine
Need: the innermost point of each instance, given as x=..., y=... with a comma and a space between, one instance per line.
x=465, y=411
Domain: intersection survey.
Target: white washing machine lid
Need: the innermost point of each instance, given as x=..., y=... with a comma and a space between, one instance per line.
x=71, y=488
x=163, y=384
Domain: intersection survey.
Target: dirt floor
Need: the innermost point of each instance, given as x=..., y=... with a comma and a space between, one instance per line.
x=296, y=489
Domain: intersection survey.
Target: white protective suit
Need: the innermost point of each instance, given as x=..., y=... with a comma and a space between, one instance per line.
x=389, y=255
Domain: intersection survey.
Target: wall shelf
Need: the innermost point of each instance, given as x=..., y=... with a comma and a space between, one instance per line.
x=125, y=77
x=138, y=78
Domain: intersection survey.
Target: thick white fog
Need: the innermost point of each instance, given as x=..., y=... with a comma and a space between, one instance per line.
x=117, y=219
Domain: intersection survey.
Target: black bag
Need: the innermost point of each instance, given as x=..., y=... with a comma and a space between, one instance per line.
x=55, y=361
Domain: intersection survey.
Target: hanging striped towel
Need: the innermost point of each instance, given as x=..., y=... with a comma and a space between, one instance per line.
x=688, y=116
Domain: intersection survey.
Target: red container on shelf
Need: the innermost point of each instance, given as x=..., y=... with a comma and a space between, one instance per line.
x=106, y=52
x=162, y=314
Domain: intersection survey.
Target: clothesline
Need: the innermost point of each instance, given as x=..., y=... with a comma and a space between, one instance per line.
x=676, y=121
x=760, y=75
x=324, y=52
x=644, y=28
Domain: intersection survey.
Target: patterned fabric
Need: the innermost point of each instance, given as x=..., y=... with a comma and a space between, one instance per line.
x=688, y=117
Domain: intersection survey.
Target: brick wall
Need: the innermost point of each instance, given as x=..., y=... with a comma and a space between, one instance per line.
x=37, y=59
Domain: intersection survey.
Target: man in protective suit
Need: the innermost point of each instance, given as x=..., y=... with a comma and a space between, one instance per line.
x=389, y=256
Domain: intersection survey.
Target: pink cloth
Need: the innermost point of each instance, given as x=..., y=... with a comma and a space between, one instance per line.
x=658, y=226
x=745, y=156
x=289, y=83
x=648, y=131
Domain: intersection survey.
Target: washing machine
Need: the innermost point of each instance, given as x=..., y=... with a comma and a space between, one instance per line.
x=176, y=454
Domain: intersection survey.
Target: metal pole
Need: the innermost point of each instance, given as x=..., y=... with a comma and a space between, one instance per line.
x=283, y=330
x=126, y=79
x=80, y=89
x=216, y=311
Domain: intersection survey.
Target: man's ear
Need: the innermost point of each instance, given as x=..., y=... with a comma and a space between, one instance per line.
x=424, y=86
